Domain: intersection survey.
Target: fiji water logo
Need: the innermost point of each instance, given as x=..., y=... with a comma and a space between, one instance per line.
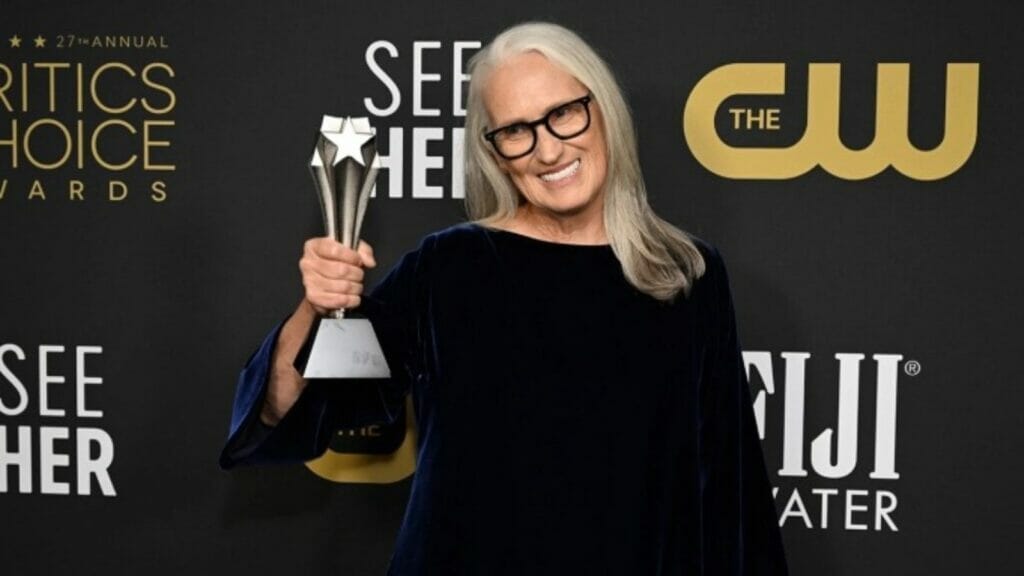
x=821, y=483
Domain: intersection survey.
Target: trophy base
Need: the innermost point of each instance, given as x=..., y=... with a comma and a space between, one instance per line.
x=346, y=348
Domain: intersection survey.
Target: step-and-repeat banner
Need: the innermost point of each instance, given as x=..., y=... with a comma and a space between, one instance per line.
x=858, y=164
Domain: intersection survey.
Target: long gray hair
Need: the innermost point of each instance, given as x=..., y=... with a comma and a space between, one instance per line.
x=657, y=258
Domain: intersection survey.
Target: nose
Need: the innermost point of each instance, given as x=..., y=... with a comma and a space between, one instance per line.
x=549, y=148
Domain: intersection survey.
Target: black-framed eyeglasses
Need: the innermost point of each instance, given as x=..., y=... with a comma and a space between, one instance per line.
x=564, y=121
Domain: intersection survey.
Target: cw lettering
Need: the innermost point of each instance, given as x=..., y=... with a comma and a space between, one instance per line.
x=820, y=144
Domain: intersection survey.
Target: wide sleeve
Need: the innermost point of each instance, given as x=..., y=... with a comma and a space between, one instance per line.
x=326, y=406
x=740, y=530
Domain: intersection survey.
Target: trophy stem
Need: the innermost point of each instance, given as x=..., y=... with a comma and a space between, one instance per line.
x=337, y=314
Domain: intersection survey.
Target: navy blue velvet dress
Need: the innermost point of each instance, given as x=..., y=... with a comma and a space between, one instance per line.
x=569, y=424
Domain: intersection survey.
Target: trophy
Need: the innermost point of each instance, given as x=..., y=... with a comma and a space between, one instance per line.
x=344, y=168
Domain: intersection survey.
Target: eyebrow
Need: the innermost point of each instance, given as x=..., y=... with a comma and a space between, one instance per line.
x=521, y=120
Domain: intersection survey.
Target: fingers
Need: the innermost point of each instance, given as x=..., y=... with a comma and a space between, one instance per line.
x=329, y=249
x=324, y=301
x=332, y=274
x=330, y=294
x=330, y=269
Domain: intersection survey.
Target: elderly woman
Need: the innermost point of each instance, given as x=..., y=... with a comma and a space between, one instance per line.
x=573, y=358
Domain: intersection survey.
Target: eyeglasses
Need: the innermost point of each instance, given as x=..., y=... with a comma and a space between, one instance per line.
x=564, y=121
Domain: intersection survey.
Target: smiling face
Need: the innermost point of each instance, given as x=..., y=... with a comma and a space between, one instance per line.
x=561, y=178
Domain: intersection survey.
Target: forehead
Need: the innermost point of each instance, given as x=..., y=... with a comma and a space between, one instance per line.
x=526, y=86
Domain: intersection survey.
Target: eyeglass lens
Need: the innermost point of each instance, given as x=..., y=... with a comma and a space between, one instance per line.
x=564, y=122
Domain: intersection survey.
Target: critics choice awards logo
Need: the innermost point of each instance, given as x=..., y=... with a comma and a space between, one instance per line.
x=86, y=119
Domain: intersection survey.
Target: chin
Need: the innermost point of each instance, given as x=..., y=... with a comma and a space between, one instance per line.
x=567, y=208
x=566, y=203
x=575, y=209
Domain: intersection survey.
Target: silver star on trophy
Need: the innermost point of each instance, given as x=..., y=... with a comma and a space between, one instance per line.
x=344, y=168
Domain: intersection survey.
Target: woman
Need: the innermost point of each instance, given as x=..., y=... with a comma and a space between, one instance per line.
x=573, y=359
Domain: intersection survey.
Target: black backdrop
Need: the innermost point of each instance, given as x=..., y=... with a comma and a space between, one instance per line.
x=159, y=280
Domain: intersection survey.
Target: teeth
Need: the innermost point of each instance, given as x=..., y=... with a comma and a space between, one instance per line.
x=561, y=174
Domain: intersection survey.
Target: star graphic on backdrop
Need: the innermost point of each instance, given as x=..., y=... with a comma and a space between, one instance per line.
x=39, y=41
x=15, y=41
x=349, y=143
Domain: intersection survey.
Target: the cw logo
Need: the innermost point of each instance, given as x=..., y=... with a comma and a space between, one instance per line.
x=820, y=144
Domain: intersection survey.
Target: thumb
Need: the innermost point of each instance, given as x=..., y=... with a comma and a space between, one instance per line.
x=366, y=255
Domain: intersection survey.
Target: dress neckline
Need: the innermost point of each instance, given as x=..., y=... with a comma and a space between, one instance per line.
x=524, y=239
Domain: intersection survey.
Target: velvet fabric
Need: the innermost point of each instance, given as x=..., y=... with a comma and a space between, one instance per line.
x=569, y=424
